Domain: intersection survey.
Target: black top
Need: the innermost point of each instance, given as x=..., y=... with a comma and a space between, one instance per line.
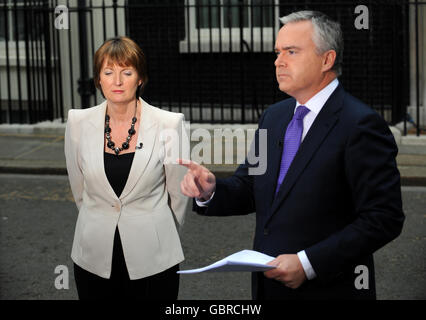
x=117, y=169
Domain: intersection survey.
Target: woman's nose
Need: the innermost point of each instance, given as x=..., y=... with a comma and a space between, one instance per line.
x=117, y=80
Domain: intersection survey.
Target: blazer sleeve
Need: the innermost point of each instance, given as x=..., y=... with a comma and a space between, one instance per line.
x=175, y=174
x=374, y=181
x=72, y=157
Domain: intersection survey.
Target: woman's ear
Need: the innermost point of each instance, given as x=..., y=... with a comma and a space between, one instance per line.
x=138, y=89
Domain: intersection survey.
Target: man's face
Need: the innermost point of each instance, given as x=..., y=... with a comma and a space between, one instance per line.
x=298, y=66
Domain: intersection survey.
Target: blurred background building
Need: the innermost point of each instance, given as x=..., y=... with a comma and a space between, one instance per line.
x=210, y=59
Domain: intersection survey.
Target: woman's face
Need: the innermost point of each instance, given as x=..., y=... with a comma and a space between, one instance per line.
x=118, y=83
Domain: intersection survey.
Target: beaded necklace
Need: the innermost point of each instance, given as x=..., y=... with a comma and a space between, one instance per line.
x=125, y=144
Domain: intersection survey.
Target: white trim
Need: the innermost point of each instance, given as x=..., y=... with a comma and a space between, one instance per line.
x=36, y=44
x=225, y=39
x=12, y=54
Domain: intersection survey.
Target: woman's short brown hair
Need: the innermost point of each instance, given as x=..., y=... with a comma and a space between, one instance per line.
x=122, y=51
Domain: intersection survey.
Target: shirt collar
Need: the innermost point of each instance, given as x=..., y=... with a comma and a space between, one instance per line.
x=316, y=103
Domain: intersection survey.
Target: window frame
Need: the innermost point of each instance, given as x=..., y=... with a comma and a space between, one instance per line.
x=222, y=39
x=15, y=45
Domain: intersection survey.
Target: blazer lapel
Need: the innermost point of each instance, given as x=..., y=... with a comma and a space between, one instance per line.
x=319, y=130
x=96, y=139
x=275, y=149
x=147, y=136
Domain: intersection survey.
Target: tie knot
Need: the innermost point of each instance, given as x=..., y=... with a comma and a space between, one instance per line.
x=301, y=112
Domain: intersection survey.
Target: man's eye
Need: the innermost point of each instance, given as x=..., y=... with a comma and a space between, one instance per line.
x=291, y=52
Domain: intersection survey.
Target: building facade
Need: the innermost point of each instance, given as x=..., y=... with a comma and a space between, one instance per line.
x=210, y=59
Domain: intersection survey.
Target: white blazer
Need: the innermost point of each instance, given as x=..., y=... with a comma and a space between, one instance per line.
x=150, y=209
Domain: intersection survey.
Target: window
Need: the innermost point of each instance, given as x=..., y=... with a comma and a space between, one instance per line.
x=13, y=17
x=230, y=25
x=12, y=22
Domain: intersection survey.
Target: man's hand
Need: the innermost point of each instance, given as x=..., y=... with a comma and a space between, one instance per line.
x=288, y=270
x=198, y=182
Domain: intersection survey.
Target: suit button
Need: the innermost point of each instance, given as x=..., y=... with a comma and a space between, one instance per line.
x=265, y=231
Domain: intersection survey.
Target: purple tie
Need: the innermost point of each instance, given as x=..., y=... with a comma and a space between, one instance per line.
x=293, y=135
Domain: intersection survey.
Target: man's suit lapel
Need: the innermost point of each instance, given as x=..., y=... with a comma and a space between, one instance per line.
x=275, y=142
x=325, y=121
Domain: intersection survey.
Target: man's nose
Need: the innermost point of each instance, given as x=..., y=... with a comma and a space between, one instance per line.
x=279, y=61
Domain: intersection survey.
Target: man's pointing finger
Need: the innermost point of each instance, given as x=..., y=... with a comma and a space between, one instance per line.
x=191, y=165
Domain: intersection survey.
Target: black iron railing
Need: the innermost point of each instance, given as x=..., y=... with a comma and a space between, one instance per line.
x=210, y=59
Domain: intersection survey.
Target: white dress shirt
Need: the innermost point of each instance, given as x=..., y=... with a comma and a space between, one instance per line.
x=315, y=105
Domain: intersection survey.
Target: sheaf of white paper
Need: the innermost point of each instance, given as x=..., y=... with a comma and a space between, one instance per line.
x=245, y=260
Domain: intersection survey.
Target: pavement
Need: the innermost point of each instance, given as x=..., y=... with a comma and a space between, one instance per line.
x=34, y=245
x=39, y=149
x=37, y=222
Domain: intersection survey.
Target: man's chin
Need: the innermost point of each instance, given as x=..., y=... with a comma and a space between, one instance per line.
x=284, y=88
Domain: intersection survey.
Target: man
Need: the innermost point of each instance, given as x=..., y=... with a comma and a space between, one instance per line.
x=331, y=193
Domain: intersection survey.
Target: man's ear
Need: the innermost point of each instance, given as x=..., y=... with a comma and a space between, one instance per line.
x=329, y=59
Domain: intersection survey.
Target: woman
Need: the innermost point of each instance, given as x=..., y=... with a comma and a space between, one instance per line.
x=126, y=242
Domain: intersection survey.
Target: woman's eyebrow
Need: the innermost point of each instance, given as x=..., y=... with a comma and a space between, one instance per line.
x=111, y=66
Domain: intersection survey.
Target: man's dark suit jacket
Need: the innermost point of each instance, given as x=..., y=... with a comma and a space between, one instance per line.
x=340, y=200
